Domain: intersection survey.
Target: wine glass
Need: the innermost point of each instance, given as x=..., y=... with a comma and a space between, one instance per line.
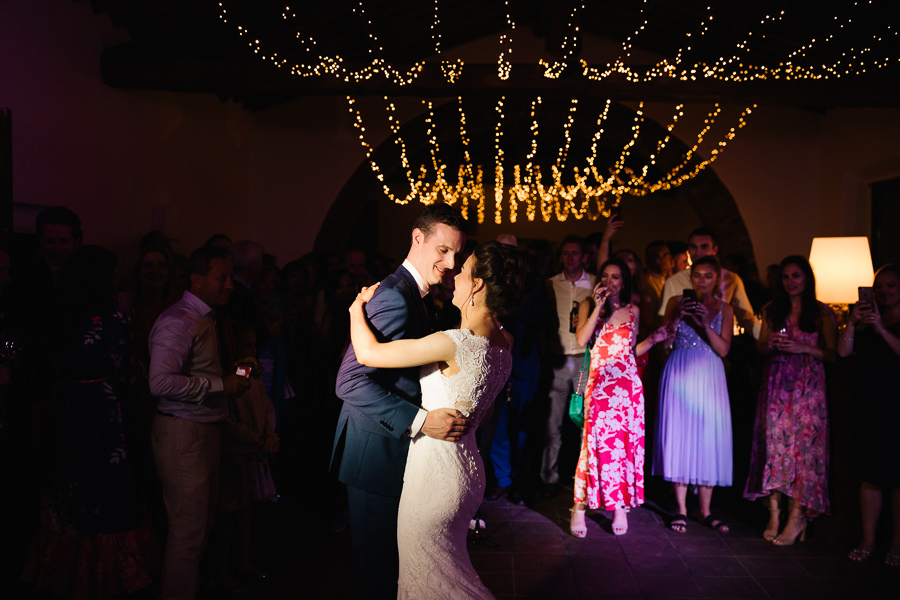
x=781, y=334
x=10, y=349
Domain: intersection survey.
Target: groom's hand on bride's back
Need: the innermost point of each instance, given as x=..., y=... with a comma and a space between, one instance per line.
x=445, y=424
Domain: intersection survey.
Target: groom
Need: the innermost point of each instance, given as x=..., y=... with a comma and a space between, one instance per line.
x=381, y=411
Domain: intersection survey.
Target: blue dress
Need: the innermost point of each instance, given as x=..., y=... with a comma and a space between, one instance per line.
x=693, y=430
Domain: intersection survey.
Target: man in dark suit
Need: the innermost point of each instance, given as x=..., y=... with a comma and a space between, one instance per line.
x=381, y=410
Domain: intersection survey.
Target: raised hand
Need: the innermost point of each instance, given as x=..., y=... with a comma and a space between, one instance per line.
x=700, y=315
x=791, y=346
x=873, y=317
x=235, y=385
x=613, y=224
x=860, y=312
x=686, y=307
x=271, y=444
x=662, y=333
x=365, y=295
x=600, y=294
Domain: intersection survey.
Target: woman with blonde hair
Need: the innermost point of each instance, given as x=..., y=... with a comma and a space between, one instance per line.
x=693, y=434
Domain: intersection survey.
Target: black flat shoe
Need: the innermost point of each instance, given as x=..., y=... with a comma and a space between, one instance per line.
x=550, y=490
x=678, y=524
x=715, y=524
x=499, y=492
x=516, y=498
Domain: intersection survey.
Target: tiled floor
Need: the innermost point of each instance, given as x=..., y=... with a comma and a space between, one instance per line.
x=527, y=553
x=535, y=558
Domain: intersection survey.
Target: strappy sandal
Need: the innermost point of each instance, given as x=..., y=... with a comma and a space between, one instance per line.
x=678, y=524
x=774, y=515
x=892, y=560
x=858, y=555
x=577, y=524
x=715, y=524
x=799, y=536
x=619, y=528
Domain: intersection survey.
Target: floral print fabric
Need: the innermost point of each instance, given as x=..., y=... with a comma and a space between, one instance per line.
x=94, y=541
x=610, y=472
x=790, y=438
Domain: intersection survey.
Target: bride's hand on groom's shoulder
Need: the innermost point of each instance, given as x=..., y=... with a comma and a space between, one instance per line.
x=445, y=424
x=365, y=294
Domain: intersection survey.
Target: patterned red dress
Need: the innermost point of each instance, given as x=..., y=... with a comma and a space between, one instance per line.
x=610, y=472
x=790, y=436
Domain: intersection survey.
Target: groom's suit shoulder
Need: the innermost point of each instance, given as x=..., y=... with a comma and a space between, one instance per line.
x=400, y=280
x=388, y=309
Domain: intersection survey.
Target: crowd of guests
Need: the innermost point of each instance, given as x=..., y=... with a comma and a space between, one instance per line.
x=148, y=410
x=124, y=485
x=700, y=310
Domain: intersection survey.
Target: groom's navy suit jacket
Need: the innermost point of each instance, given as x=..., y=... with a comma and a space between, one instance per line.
x=370, y=443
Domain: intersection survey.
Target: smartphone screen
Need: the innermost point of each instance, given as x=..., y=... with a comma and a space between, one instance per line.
x=616, y=213
x=865, y=295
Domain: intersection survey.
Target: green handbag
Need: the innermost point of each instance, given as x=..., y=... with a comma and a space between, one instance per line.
x=576, y=400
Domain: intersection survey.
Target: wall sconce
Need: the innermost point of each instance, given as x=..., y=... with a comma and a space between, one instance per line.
x=841, y=265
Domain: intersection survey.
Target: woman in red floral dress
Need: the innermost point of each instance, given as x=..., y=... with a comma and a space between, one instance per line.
x=610, y=472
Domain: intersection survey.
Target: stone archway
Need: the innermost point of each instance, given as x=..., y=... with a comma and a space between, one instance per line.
x=362, y=195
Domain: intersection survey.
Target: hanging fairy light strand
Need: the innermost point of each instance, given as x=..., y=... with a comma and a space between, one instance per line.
x=589, y=191
x=735, y=68
x=592, y=194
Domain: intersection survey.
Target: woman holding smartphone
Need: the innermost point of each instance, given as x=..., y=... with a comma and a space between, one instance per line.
x=874, y=334
x=693, y=434
x=789, y=456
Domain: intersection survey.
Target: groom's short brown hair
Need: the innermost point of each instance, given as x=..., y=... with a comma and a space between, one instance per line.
x=439, y=213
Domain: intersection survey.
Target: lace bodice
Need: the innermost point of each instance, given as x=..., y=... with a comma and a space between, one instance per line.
x=443, y=485
x=483, y=369
x=687, y=336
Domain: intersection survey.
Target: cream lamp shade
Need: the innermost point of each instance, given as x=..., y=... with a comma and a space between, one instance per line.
x=841, y=266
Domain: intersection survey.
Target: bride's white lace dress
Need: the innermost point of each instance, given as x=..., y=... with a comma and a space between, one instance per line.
x=443, y=485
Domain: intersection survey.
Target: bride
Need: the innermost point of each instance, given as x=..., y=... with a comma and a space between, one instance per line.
x=465, y=369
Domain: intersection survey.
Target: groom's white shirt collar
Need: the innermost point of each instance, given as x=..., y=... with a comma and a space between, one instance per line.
x=416, y=426
x=424, y=288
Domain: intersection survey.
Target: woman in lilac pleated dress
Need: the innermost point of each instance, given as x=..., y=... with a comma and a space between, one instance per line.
x=790, y=439
x=693, y=433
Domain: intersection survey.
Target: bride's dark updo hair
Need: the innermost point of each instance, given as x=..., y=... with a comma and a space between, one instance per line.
x=504, y=270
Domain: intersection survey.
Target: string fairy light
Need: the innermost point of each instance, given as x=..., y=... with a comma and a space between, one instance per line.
x=504, y=66
x=591, y=196
x=734, y=68
x=584, y=190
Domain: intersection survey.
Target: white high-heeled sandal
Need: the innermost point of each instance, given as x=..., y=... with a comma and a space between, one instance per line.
x=617, y=527
x=577, y=524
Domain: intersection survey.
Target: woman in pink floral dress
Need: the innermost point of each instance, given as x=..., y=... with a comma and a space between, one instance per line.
x=790, y=441
x=610, y=472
